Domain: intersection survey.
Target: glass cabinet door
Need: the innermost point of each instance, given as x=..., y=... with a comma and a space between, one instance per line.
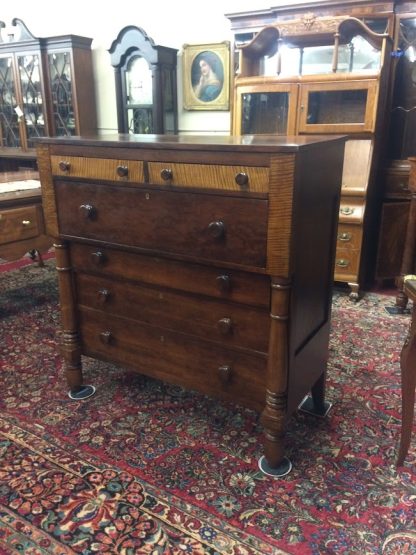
x=61, y=94
x=32, y=99
x=347, y=107
x=266, y=110
x=9, y=118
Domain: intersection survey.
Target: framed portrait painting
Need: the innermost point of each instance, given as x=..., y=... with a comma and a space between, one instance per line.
x=206, y=76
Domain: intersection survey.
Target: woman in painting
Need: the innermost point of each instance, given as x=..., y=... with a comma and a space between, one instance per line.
x=208, y=82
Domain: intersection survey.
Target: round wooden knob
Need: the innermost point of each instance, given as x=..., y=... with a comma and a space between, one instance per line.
x=241, y=179
x=64, y=166
x=97, y=258
x=216, y=229
x=225, y=325
x=223, y=283
x=87, y=211
x=224, y=373
x=122, y=171
x=106, y=337
x=166, y=174
x=103, y=295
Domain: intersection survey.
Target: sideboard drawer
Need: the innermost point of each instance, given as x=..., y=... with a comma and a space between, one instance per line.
x=168, y=355
x=98, y=168
x=210, y=319
x=232, y=285
x=20, y=223
x=346, y=262
x=349, y=236
x=223, y=228
x=205, y=176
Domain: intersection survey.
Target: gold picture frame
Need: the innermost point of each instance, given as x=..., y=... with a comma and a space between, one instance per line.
x=206, y=76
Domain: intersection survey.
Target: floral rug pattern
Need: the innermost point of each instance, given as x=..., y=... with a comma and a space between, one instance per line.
x=146, y=467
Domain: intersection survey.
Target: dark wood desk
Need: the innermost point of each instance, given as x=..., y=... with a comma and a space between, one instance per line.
x=22, y=226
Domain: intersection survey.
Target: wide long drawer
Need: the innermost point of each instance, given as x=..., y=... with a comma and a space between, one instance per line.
x=203, y=226
x=223, y=322
x=222, y=283
x=175, y=357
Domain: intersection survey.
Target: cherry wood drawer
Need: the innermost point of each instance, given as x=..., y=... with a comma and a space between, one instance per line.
x=225, y=229
x=232, y=285
x=232, y=324
x=209, y=176
x=349, y=236
x=175, y=357
x=347, y=263
x=97, y=168
x=20, y=223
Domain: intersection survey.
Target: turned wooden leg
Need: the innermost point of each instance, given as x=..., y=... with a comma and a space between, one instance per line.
x=408, y=384
x=70, y=344
x=273, y=418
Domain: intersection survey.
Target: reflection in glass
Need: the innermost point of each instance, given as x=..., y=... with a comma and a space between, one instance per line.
x=356, y=56
x=9, y=122
x=140, y=120
x=34, y=116
x=168, y=108
x=265, y=113
x=336, y=107
x=139, y=82
x=61, y=89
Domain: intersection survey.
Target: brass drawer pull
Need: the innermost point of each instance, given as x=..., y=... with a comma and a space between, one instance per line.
x=342, y=263
x=345, y=236
x=122, y=171
x=106, y=337
x=347, y=210
x=64, y=166
x=225, y=325
x=103, y=295
x=166, y=174
x=97, y=258
x=223, y=283
x=216, y=229
x=88, y=211
x=241, y=179
x=224, y=373
x=26, y=222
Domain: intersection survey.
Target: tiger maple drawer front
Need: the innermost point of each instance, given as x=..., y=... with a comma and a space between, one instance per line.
x=229, y=323
x=97, y=168
x=232, y=178
x=349, y=236
x=19, y=223
x=226, y=229
x=175, y=357
x=222, y=283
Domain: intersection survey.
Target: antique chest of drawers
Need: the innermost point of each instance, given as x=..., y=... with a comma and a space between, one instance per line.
x=206, y=262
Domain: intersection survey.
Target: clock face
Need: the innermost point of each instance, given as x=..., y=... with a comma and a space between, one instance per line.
x=139, y=82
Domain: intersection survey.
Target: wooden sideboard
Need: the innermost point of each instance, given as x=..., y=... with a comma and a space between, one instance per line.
x=22, y=227
x=202, y=261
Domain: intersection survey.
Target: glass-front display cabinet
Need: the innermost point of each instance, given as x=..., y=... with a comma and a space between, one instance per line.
x=46, y=88
x=145, y=80
x=322, y=75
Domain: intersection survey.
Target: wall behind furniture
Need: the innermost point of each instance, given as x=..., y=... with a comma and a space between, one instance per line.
x=167, y=22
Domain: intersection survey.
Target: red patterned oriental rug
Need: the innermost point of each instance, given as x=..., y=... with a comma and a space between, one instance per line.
x=143, y=467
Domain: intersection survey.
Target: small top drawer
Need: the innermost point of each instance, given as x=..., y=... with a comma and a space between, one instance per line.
x=98, y=168
x=19, y=223
x=230, y=178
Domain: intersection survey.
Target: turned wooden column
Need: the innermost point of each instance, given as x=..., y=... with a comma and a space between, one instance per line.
x=70, y=345
x=409, y=253
x=274, y=414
